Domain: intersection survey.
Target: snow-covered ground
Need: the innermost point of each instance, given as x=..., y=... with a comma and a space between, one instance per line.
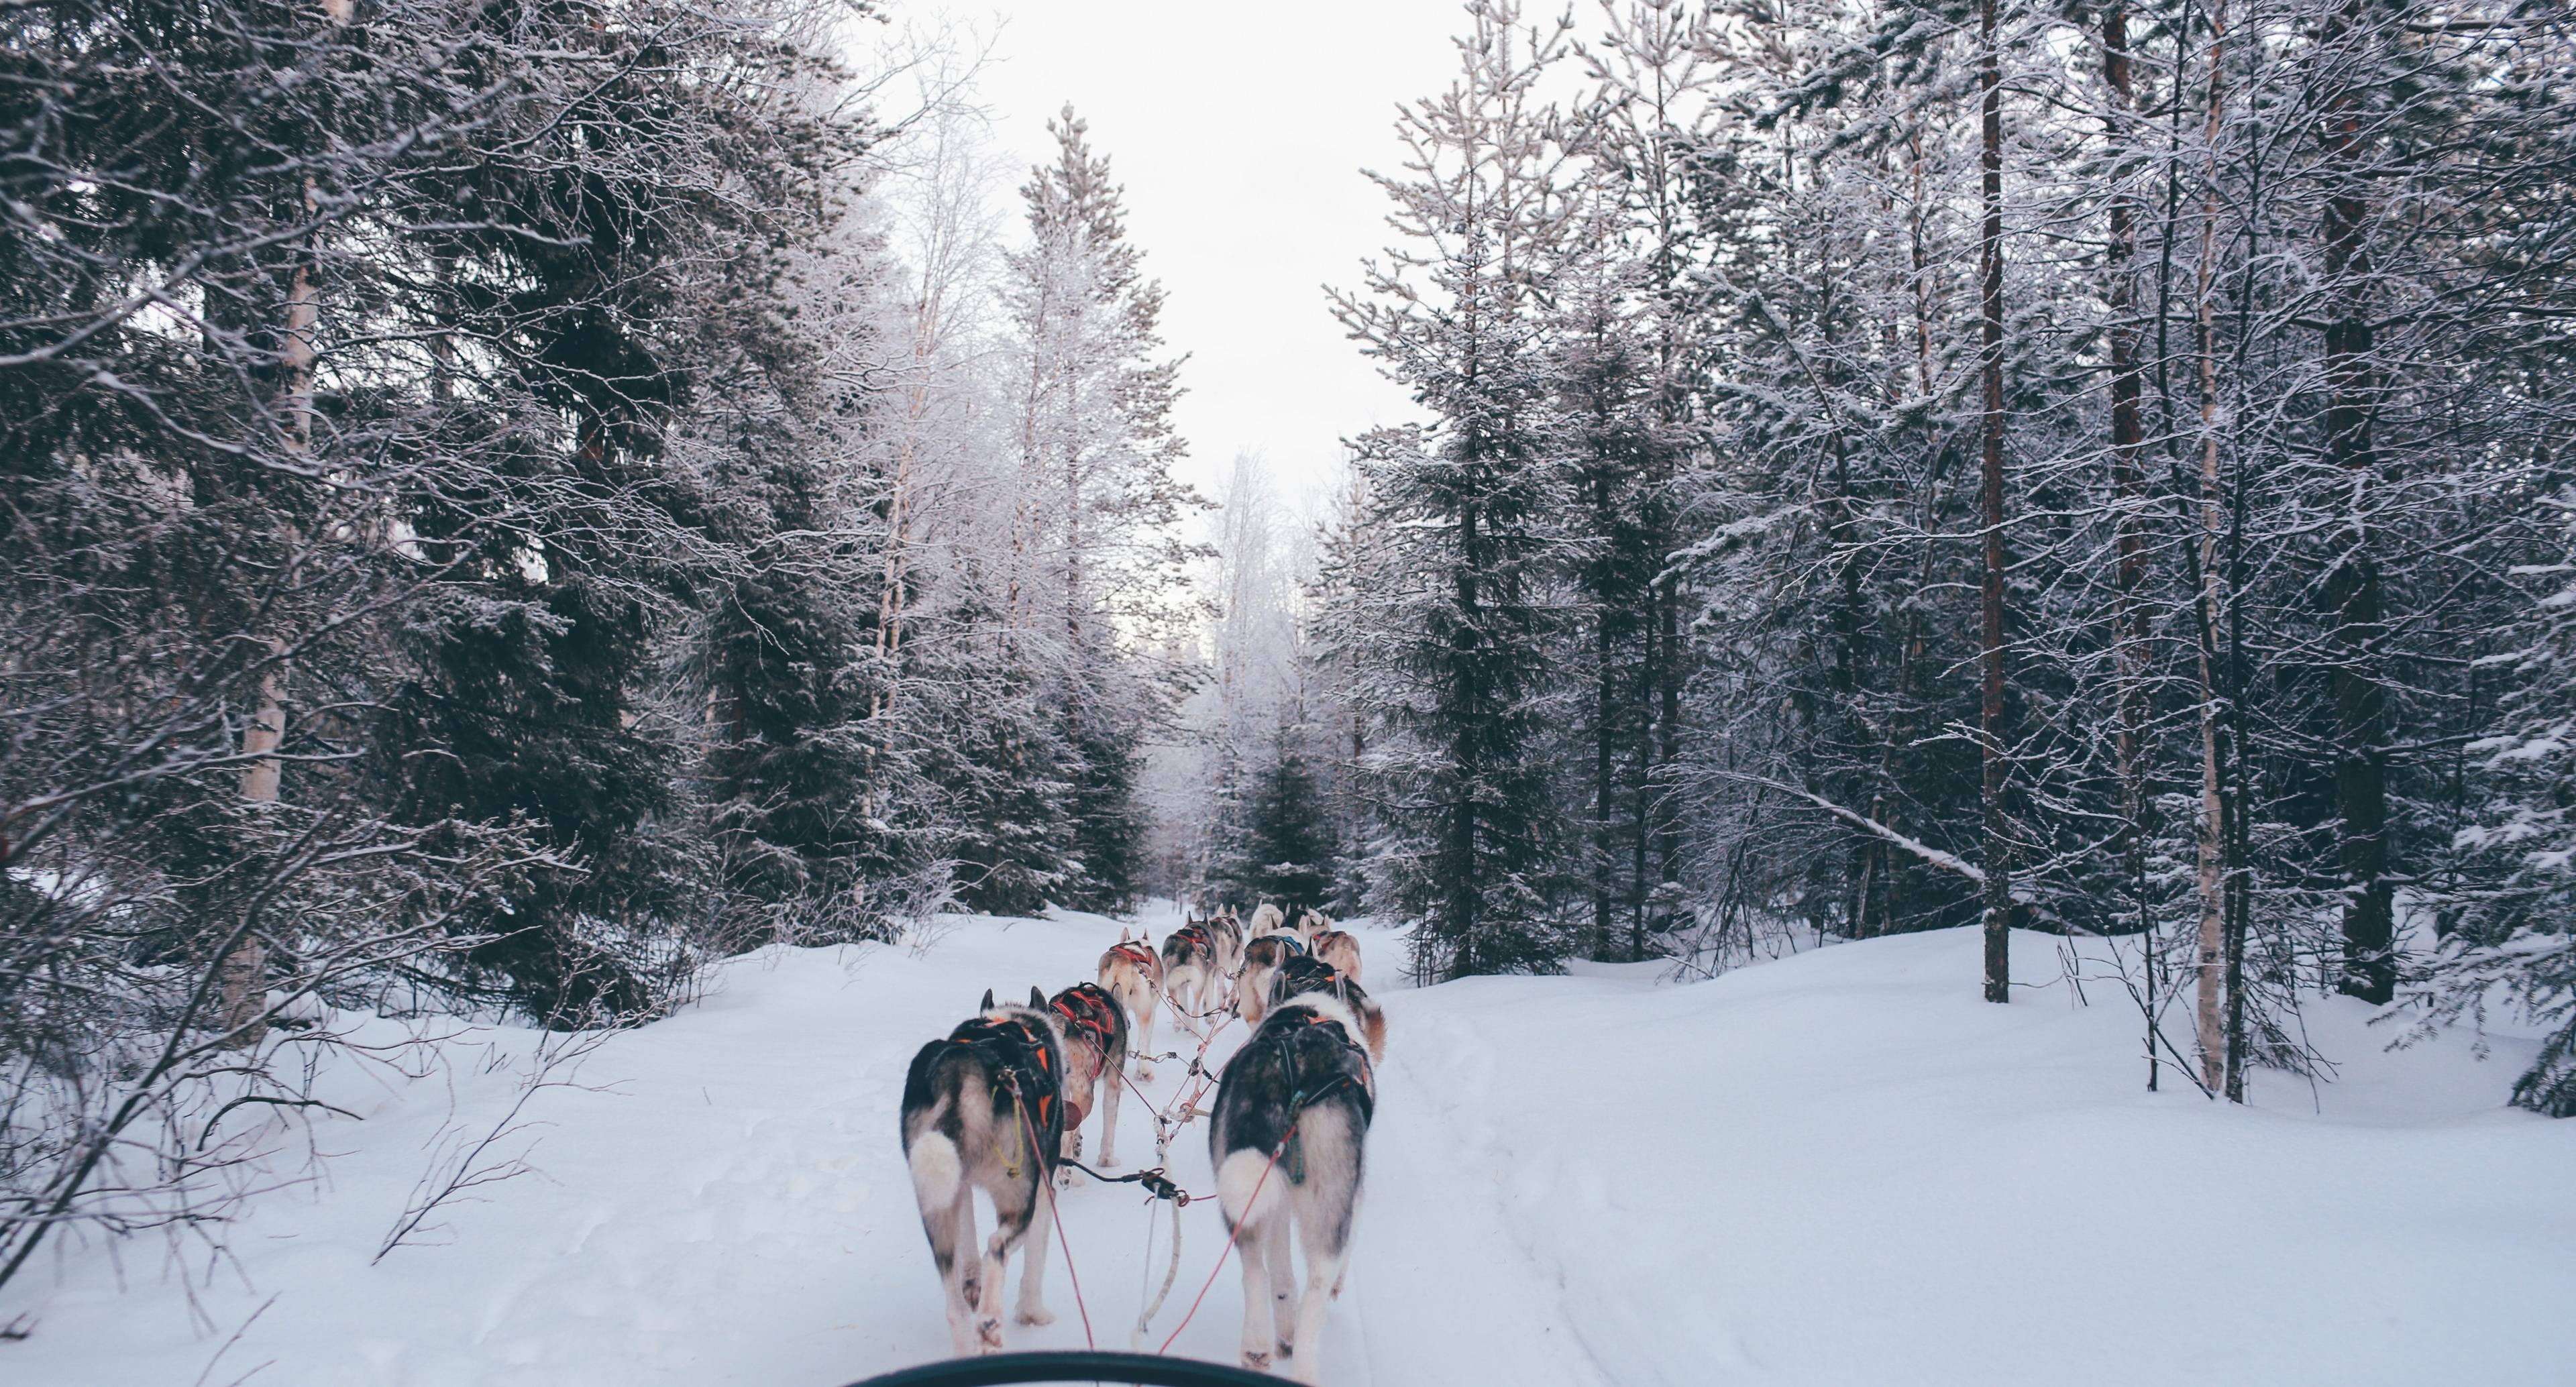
x=1840, y=1168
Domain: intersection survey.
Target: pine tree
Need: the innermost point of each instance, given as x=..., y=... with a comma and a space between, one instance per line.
x=1462, y=647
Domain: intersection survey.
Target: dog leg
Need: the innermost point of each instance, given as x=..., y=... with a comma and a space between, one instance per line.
x=1283, y=1285
x=965, y=1309
x=988, y=1298
x=1323, y=1282
x=1109, y=1079
x=1070, y=1148
x=1033, y=1251
x=1256, y=1298
x=1145, y=1017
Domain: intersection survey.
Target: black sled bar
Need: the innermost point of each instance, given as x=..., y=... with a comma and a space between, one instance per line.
x=1005, y=1369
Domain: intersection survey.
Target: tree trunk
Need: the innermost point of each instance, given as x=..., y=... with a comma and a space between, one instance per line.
x=2128, y=481
x=2210, y=1009
x=2351, y=592
x=1996, y=852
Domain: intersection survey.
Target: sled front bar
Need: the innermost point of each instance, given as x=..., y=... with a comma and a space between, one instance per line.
x=1004, y=1369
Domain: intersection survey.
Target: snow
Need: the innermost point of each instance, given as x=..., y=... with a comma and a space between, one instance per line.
x=1838, y=1168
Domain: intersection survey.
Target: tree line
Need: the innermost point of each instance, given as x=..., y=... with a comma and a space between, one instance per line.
x=2094, y=468
x=504, y=503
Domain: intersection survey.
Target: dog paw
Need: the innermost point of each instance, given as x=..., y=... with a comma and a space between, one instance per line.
x=1257, y=1361
x=988, y=1332
x=1066, y=1177
x=1036, y=1316
x=1287, y=1349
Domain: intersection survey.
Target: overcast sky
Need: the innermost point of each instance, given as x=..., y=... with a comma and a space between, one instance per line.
x=1239, y=131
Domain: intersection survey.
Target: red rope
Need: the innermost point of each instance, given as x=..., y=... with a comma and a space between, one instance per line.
x=1231, y=1239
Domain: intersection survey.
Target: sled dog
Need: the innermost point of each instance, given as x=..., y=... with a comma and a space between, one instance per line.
x=1268, y=919
x=1339, y=949
x=1262, y=956
x=1133, y=973
x=1311, y=926
x=1093, y=1031
x=1292, y=1116
x=1189, y=974
x=1301, y=978
x=984, y=1109
x=1225, y=935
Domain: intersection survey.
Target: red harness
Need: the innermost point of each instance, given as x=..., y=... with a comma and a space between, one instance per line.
x=1085, y=1008
x=1137, y=952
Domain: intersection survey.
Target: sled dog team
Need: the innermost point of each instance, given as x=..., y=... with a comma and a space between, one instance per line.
x=1001, y=1101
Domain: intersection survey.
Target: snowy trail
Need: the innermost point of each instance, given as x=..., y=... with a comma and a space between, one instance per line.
x=1841, y=1168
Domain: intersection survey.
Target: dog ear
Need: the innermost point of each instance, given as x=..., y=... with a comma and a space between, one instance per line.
x=988, y=1000
x=1122, y=935
x=1037, y=997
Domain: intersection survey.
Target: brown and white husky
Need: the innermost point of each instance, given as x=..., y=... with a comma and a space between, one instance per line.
x=1340, y=949
x=1133, y=973
x=1093, y=1028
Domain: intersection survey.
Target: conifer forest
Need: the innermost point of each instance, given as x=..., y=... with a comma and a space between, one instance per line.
x=514, y=512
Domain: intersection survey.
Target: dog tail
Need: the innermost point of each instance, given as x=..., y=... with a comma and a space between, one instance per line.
x=1237, y=1182
x=942, y=1076
x=937, y=1170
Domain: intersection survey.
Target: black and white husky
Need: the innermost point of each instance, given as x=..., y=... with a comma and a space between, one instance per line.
x=984, y=1109
x=1308, y=974
x=1292, y=1118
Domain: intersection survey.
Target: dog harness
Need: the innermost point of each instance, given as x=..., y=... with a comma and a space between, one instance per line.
x=1303, y=1018
x=1020, y=1054
x=1138, y=952
x=1085, y=1009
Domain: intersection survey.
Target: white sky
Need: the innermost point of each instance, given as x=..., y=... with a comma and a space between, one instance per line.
x=1239, y=131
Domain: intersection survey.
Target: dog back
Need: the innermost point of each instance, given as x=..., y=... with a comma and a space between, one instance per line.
x=1303, y=977
x=1340, y=950
x=977, y=1087
x=1187, y=947
x=1302, y=1069
x=1094, y=1027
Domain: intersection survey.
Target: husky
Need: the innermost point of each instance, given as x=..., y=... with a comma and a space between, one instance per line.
x=1190, y=974
x=1262, y=956
x=1093, y=1031
x=1311, y=926
x=1225, y=935
x=1133, y=973
x=1339, y=949
x=1268, y=919
x=984, y=1110
x=1301, y=978
x=1292, y=1117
